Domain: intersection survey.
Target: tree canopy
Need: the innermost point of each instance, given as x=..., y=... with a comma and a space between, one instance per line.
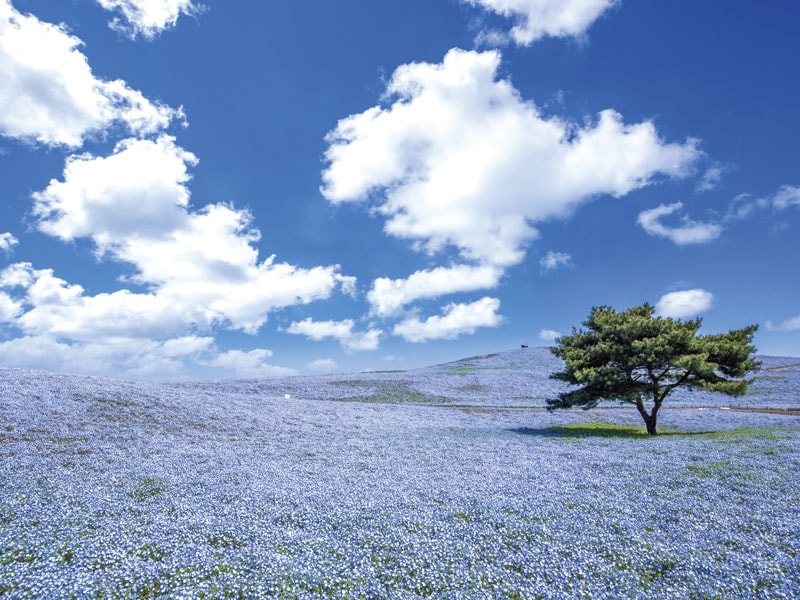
x=635, y=357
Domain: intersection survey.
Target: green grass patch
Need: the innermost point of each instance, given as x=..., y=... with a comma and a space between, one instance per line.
x=740, y=433
x=604, y=429
x=463, y=369
x=147, y=488
x=226, y=541
x=601, y=429
x=389, y=393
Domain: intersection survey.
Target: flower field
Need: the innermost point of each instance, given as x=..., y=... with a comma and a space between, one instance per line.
x=445, y=482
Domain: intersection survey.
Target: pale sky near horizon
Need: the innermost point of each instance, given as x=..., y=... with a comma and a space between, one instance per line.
x=202, y=189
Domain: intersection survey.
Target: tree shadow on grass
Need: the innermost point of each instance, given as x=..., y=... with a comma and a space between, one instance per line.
x=599, y=430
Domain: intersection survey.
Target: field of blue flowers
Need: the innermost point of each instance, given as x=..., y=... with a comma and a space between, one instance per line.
x=445, y=482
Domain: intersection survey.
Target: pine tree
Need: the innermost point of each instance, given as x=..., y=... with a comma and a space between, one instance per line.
x=633, y=357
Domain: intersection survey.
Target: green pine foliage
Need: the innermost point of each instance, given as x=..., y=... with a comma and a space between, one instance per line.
x=635, y=357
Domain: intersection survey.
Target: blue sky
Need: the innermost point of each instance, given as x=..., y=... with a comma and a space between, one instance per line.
x=215, y=189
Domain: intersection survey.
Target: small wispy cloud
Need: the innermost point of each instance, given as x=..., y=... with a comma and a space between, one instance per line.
x=792, y=324
x=786, y=196
x=711, y=178
x=323, y=365
x=687, y=232
x=553, y=260
x=549, y=335
x=746, y=205
x=148, y=18
x=7, y=241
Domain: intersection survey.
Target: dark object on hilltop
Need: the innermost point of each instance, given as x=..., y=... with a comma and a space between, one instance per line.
x=632, y=356
x=523, y=346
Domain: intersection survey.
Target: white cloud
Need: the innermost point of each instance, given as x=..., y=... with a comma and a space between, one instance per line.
x=203, y=265
x=553, y=260
x=363, y=341
x=792, y=324
x=7, y=241
x=319, y=330
x=120, y=357
x=49, y=95
x=742, y=207
x=388, y=296
x=200, y=270
x=746, y=205
x=786, y=196
x=249, y=364
x=187, y=345
x=535, y=19
x=323, y=365
x=460, y=159
x=56, y=308
x=711, y=178
x=689, y=232
x=548, y=335
x=456, y=320
x=136, y=358
x=687, y=303
x=138, y=190
x=351, y=341
x=9, y=308
x=148, y=17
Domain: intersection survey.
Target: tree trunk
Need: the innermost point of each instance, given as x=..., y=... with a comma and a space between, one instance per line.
x=649, y=418
x=651, y=424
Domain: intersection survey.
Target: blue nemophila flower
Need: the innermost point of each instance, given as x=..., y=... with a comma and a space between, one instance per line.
x=446, y=482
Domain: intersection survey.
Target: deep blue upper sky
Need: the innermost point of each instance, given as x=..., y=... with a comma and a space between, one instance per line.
x=198, y=190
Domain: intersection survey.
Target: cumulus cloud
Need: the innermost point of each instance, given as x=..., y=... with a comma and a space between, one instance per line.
x=200, y=271
x=553, y=260
x=122, y=357
x=56, y=308
x=133, y=205
x=688, y=232
x=140, y=189
x=251, y=364
x=148, y=17
x=686, y=303
x=388, y=296
x=535, y=19
x=7, y=241
x=457, y=158
x=49, y=95
x=351, y=341
x=456, y=320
